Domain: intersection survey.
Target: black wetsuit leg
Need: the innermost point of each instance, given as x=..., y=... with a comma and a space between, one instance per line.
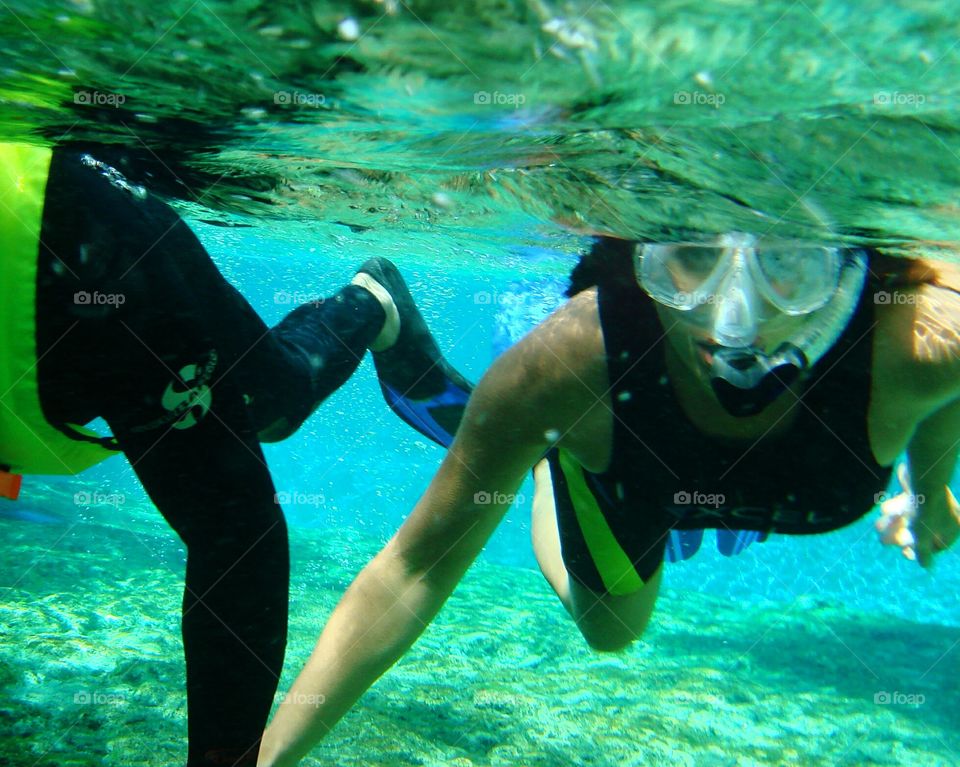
x=326, y=340
x=135, y=324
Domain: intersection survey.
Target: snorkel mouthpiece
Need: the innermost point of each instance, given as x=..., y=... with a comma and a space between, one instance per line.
x=746, y=380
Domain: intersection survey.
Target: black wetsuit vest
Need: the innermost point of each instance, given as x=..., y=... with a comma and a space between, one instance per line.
x=818, y=475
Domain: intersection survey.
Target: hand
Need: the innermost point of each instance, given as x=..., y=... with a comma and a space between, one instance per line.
x=921, y=527
x=937, y=527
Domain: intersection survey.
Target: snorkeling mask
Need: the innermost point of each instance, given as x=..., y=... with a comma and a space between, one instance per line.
x=731, y=287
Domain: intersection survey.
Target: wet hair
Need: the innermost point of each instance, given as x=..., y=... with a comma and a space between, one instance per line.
x=608, y=258
x=893, y=272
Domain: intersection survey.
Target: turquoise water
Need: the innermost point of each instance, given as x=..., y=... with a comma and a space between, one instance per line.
x=642, y=119
x=774, y=657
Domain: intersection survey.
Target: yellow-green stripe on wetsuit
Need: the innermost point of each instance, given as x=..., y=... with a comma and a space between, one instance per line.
x=615, y=568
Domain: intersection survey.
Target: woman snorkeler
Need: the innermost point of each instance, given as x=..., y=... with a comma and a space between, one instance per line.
x=737, y=384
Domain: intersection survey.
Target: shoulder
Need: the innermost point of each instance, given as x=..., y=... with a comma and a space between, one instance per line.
x=918, y=336
x=548, y=378
x=567, y=350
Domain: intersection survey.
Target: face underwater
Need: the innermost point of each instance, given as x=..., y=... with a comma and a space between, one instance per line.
x=749, y=317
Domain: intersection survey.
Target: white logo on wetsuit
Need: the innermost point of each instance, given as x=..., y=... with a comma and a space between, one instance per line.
x=192, y=403
x=187, y=398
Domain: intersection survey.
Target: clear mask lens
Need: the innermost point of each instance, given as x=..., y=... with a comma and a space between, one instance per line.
x=680, y=275
x=793, y=278
x=797, y=279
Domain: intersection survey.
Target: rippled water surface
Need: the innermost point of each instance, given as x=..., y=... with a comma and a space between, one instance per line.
x=791, y=118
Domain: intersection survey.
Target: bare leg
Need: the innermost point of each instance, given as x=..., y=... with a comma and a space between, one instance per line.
x=608, y=622
x=546, y=536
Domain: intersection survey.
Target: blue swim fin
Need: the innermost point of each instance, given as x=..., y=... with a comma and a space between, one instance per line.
x=732, y=542
x=436, y=418
x=418, y=384
x=683, y=544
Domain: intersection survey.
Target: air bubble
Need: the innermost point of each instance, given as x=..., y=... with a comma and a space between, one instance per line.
x=348, y=29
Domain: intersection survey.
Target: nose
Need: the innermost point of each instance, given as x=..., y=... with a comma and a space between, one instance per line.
x=735, y=322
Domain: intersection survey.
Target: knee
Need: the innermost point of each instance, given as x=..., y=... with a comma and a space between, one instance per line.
x=610, y=640
x=255, y=533
x=277, y=431
x=612, y=624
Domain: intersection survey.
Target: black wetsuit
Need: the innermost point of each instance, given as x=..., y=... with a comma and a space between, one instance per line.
x=665, y=473
x=186, y=375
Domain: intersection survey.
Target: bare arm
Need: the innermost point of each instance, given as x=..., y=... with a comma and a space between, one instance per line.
x=527, y=393
x=932, y=450
x=920, y=371
x=932, y=455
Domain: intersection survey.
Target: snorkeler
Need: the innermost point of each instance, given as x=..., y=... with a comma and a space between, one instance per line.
x=735, y=384
x=112, y=308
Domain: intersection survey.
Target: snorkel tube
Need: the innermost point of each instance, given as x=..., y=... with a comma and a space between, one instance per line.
x=746, y=380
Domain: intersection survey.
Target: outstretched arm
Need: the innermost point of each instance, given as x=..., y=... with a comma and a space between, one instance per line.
x=924, y=376
x=924, y=519
x=399, y=592
x=933, y=456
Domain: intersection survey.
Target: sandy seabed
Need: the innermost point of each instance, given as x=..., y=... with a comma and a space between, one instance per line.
x=91, y=670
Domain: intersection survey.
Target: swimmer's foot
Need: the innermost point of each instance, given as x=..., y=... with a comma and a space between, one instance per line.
x=418, y=384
